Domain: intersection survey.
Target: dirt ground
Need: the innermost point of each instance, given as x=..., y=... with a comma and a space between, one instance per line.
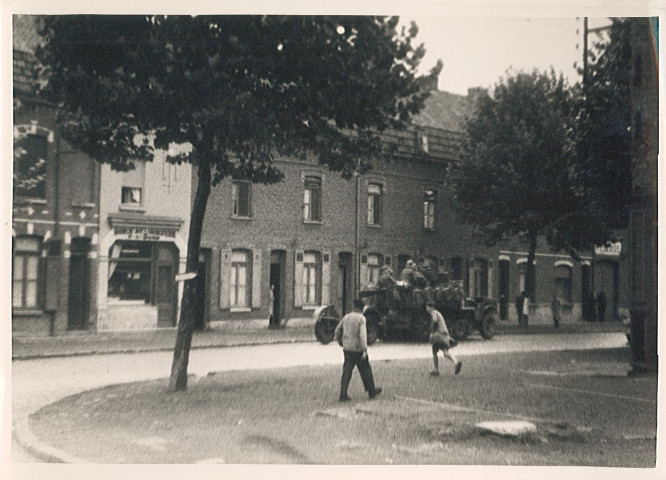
x=585, y=409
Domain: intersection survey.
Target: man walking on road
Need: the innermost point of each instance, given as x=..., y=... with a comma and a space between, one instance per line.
x=352, y=336
x=440, y=339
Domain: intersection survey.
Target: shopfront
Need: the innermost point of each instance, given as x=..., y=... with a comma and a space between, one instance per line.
x=137, y=283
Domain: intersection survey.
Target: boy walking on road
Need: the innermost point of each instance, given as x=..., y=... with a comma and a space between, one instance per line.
x=352, y=336
x=440, y=339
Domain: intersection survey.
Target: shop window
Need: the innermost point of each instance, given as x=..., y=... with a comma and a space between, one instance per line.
x=130, y=272
x=374, y=204
x=240, y=279
x=30, y=152
x=429, y=198
x=133, y=186
x=311, y=275
x=242, y=200
x=312, y=199
x=25, y=273
x=563, y=282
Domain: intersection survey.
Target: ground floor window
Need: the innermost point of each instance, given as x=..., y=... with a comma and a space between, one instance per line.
x=130, y=268
x=563, y=282
x=25, y=273
x=240, y=278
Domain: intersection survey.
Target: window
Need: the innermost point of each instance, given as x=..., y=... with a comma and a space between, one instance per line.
x=563, y=282
x=132, y=183
x=311, y=278
x=456, y=268
x=312, y=199
x=131, y=196
x=374, y=262
x=374, y=204
x=240, y=192
x=429, y=198
x=25, y=273
x=240, y=279
x=30, y=153
x=130, y=272
x=479, y=278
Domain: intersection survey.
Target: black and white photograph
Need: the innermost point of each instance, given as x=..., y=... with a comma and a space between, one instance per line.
x=246, y=239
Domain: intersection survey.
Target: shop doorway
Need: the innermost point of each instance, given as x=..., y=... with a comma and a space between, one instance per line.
x=606, y=282
x=79, y=284
x=276, y=283
x=166, y=294
x=344, y=281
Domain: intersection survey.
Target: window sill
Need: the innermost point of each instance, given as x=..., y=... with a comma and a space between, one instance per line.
x=375, y=225
x=126, y=302
x=238, y=217
x=29, y=201
x=240, y=309
x=313, y=222
x=310, y=307
x=84, y=205
x=26, y=312
x=429, y=230
x=131, y=208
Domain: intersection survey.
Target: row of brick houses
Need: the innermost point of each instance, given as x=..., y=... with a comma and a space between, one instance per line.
x=98, y=250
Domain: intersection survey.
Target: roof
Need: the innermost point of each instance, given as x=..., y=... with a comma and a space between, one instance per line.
x=444, y=110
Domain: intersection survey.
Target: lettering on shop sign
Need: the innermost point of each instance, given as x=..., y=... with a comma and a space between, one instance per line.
x=144, y=233
x=611, y=249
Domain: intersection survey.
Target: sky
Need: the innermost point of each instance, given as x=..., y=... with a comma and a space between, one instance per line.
x=477, y=51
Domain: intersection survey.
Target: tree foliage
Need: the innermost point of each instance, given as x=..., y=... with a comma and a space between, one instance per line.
x=238, y=89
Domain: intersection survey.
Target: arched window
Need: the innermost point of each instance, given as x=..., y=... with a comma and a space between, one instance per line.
x=563, y=281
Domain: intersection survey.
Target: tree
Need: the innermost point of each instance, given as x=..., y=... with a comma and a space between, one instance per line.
x=240, y=90
x=513, y=177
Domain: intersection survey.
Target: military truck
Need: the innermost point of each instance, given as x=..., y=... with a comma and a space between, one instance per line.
x=399, y=313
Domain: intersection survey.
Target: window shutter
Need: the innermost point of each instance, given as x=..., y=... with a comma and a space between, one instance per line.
x=490, y=279
x=225, y=277
x=364, y=273
x=256, y=279
x=298, y=278
x=326, y=278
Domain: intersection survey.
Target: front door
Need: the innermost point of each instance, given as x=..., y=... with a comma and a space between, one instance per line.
x=344, y=269
x=200, y=291
x=164, y=285
x=276, y=286
x=79, y=282
x=504, y=289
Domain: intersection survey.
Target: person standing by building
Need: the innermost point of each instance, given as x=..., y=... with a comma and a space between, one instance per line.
x=526, y=310
x=520, y=300
x=601, y=306
x=408, y=273
x=352, y=336
x=556, y=308
x=440, y=339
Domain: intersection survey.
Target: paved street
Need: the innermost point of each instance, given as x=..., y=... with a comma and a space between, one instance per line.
x=39, y=382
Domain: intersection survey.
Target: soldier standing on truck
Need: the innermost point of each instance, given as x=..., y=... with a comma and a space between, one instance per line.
x=440, y=339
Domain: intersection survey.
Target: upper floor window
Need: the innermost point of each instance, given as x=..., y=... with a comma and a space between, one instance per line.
x=374, y=204
x=241, y=194
x=132, y=185
x=25, y=272
x=429, y=198
x=30, y=152
x=312, y=199
x=240, y=279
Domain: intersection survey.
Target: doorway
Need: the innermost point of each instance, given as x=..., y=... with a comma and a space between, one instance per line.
x=344, y=281
x=79, y=284
x=166, y=293
x=504, y=289
x=606, y=281
x=200, y=311
x=276, y=283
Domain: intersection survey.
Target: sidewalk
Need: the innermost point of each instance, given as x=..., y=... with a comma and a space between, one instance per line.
x=26, y=348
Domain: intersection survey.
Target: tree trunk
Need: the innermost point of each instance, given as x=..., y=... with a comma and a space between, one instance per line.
x=531, y=274
x=181, y=353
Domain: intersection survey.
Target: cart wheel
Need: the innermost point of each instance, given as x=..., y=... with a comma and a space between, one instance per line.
x=488, y=324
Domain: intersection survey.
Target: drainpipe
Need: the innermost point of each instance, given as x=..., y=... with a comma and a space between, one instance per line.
x=357, y=242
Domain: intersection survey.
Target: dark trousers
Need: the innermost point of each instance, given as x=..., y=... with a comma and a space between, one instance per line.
x=355, y=359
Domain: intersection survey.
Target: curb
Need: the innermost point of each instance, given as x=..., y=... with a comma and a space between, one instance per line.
x=27, y=440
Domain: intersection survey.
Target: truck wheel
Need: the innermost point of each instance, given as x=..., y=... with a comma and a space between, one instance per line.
x=459, y=328
x=372, y=327
x=488, y=324
x=325, y=329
